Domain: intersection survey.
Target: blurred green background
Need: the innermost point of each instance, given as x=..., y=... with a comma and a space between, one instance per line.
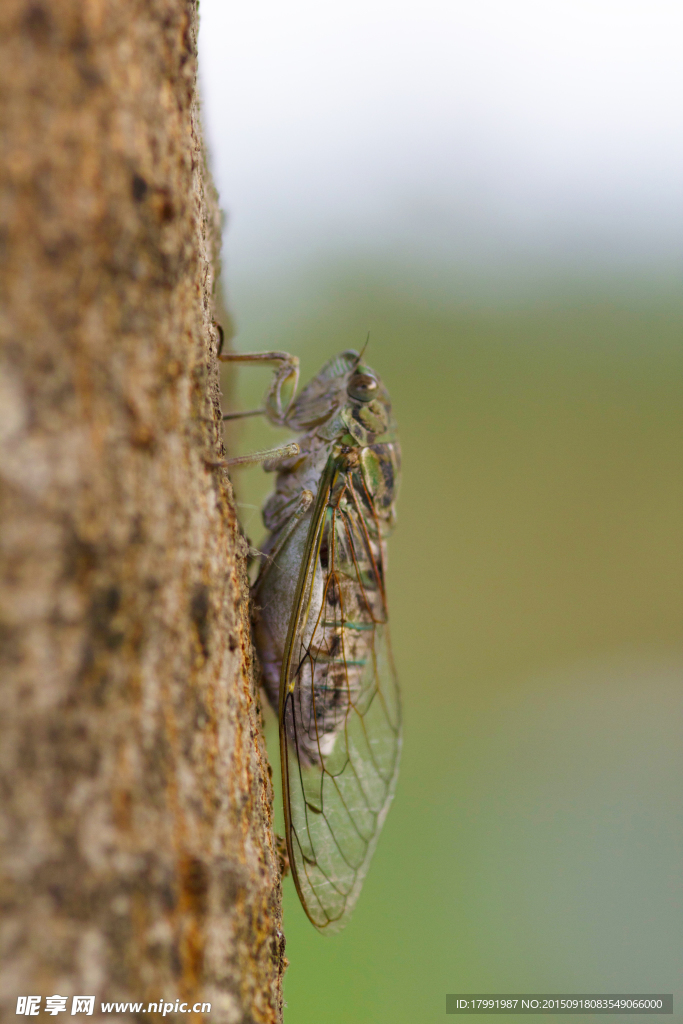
x=535, y=587
x=493, y=190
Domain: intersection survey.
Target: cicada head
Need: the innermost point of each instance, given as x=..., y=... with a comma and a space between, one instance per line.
x=345, y=402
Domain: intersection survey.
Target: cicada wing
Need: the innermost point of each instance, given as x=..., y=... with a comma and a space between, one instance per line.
x=337, y=807
x=340, y=718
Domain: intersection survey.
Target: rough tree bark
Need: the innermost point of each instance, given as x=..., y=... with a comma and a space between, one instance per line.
x=137, y=853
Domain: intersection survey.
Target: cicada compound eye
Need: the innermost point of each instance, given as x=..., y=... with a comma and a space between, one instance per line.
x=362, y=386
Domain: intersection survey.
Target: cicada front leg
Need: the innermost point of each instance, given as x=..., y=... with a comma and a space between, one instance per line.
x=274, y=407
x=287, y=370
x=296, y=510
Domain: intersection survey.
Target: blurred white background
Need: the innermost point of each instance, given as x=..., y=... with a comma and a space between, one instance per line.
x=495, y=137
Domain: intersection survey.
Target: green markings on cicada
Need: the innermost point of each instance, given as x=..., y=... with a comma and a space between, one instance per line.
x=322, y=659
x=350, y=625
x=380, y=467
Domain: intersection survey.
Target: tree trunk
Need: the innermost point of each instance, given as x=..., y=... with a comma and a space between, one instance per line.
x=137, y=855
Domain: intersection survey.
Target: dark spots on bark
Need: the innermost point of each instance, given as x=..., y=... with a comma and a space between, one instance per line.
x=176, y=961
x=80, y=558
x=10, y=645
x=38, y=23
x=109, y=601
x=168, y=897
x=283, y=863
x=91, y=675
x=278, y=945
x=232, y=642
x=199, y=613
x=90, y=76
x=81, y=47
x=62, y=249
x=122, y=805
x=120, y=933
x=166, y=210
x=137, y=529
x=158, y=758
x=202, y=716
x=105, y=634
x=188, y=45
x=195, y=885
x=103, y=608
x=27, y=761
x=142, y=437
x=232, y=881
x=61, y=880
x=75, y=754
x=139, y=188
x=79, y=41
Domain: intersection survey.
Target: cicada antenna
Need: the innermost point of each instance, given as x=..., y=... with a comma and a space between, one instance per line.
x=362, y=351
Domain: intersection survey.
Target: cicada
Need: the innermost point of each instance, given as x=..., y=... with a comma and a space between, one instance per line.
x=321, y=623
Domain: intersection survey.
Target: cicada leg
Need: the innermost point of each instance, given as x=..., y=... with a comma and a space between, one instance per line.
x=302, y=505
x=273, y=407
x=285, y=451
x=287, y=370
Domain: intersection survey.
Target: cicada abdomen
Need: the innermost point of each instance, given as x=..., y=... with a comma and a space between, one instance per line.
x=335, y=641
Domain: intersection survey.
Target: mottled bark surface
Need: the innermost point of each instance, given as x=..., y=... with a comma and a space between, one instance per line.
x=137, y=858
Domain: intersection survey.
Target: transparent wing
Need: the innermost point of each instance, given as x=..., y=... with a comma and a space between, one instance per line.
x=340, y=718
